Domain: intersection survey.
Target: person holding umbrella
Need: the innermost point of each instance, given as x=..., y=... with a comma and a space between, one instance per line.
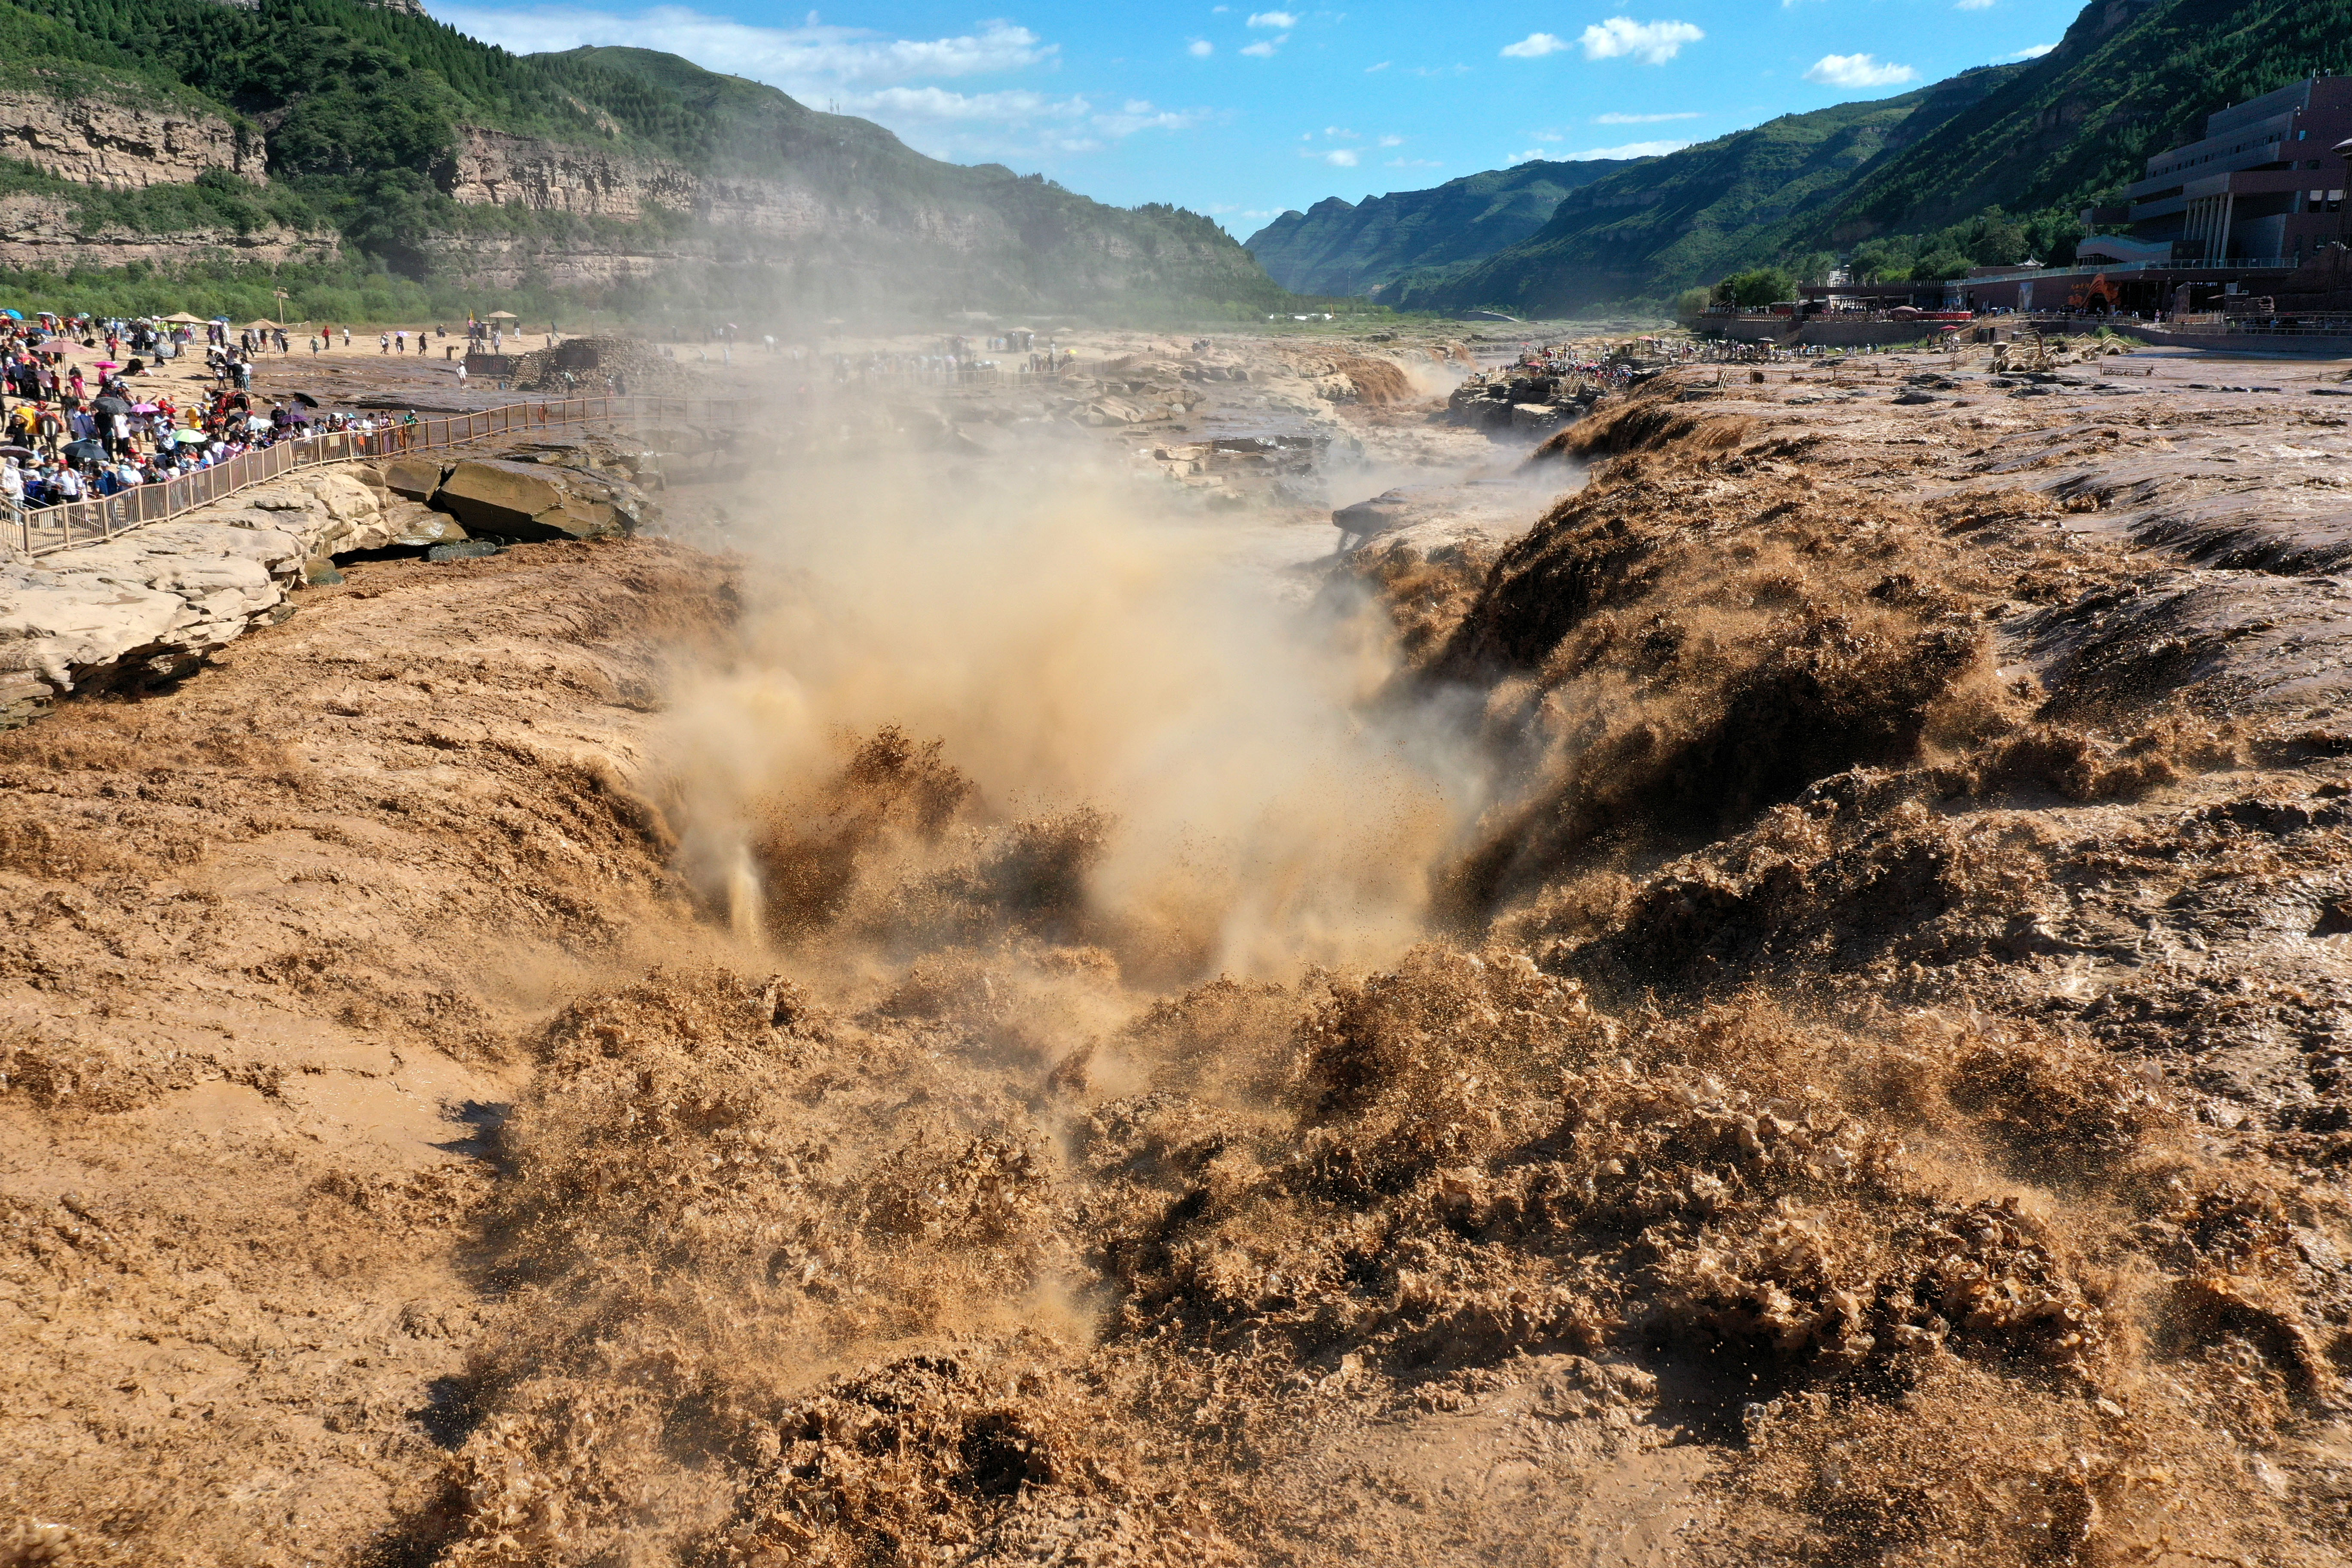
x=113, y=414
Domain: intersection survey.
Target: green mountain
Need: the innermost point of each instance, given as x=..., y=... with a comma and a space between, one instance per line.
x=1669, y=221
x=1988, y=167
x=352, y=138
x=2131, y=79
x=1342, y=247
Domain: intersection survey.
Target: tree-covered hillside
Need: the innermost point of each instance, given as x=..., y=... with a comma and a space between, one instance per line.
x=365, y=114
x=1989, y=167
x=1340, y=247
x=1667, y=222
x=2131, y=79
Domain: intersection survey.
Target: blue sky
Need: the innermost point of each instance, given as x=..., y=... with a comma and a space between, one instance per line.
x=1241, y=110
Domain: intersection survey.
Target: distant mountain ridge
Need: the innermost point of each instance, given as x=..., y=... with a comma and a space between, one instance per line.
x=2049, y=136
x=1689, y=217
x=1337, y=246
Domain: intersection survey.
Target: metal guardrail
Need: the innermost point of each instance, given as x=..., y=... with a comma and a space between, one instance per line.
x=2094, y=269
x=44, y=531
x=2262, y=329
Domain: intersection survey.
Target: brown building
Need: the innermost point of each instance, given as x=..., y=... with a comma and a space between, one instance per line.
x=2250, y=211
x=2264, y=185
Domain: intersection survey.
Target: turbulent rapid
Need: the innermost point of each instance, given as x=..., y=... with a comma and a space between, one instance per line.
x=1002, y=1018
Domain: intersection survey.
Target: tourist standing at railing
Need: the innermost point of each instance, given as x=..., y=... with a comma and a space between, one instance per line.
x=12, y=484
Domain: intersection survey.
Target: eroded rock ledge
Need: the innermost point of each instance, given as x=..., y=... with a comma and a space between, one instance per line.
x=151, y=606
x=122, y=141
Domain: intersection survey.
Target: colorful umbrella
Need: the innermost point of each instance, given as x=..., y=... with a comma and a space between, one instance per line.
x=190, y=437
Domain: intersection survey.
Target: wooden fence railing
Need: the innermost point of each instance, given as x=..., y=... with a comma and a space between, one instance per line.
x=43, y=531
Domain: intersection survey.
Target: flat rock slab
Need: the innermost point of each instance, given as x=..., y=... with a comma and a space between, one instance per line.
x=505, y=500
x=160, y=598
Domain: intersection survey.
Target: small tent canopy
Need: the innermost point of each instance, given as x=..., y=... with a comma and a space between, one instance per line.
x=185, y=319
x=502, y=316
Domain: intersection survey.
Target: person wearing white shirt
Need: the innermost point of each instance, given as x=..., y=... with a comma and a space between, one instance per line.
x=67, y=482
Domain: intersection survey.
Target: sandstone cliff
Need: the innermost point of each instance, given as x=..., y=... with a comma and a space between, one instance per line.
x=45, y=233
x=126, y=141
x=495, y=168
x=820, y=228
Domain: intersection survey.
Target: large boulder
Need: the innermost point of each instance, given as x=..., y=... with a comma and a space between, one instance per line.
x=499, y=499
x=414, y=479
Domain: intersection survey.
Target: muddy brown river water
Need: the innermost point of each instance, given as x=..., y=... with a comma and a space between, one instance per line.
x=1767, y=986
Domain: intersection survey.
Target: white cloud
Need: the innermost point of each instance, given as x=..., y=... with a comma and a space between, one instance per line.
x=1382, y=67
x=1274, y=21
x=1341, y=130
x=940, y=105
x=810, y=59
x=1615, y=119
x=2034, y=53
x=1651, y=43
x=1199, y=49
x=1632, y=149
x=1440, y=70
x=1414, y=163
x=1534, y=47
x=1391, y=141
x=1138, y=114
x=1972, y=5
x=1015, y=122
x=892, y=80
x=1339, y=157
x=1858, y=70
x=1263, y=48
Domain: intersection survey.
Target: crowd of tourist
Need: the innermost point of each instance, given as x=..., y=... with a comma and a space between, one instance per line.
x=67, y=436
